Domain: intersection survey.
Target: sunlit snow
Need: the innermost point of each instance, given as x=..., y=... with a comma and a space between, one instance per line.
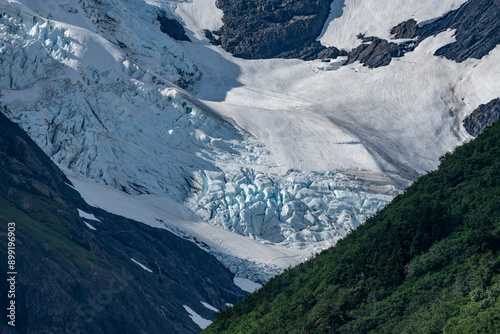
x=349, y=18
x=277, y=158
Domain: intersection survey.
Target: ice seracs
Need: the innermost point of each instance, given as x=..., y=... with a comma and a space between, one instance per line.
x=283, y=154
x=300, y=210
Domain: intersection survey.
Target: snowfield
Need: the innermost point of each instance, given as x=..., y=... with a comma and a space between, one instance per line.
x=260, y=162
x=197, y=319
x=349, y=18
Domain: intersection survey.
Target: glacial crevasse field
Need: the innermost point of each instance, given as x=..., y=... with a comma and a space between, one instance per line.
x=260, y=162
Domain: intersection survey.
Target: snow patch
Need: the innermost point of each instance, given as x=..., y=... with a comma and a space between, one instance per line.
x=86, y=215
x=210, y=307
x=199, y=15
x=348, y=18
x=197, y=319
x=141, y=265
x=246, y=285
x=90, y=226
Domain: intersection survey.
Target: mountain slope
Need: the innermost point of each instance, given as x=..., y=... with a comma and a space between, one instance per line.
x=98, y=274
x=95, y=87
x=285, y=152
x=428, y=262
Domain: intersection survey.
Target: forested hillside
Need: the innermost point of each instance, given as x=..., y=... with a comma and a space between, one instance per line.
x=428, y=263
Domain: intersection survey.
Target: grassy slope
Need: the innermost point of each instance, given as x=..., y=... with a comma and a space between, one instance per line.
x=48, y=228
x=429, y=262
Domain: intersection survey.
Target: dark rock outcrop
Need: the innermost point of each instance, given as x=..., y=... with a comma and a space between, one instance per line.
x=376, y=52
x=289, y=28
x=477, y=24
x=72, y=279
x=483, y=117
x=274, y=28
x=172, y=27
x=211, y=37
x=478, y=32
x=407, y=29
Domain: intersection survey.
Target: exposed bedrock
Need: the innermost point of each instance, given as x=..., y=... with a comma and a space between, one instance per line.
x=481, y=118
x=274, y=28
x=477, y=24
x=289, y=28
x=172, y=27
x=378, y=52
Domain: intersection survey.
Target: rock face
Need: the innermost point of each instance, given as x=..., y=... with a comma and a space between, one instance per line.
x=477, y=25
x=274, y=28
x=376, y=52
x=172, y=27
x=122, y=277
x=289, y=28
x=407, y=29
x=481, y=118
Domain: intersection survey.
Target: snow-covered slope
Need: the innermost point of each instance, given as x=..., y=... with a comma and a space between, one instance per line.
x=290, y=153
x=348, y=18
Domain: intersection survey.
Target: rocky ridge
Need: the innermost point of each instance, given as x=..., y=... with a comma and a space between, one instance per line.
x=477, y=27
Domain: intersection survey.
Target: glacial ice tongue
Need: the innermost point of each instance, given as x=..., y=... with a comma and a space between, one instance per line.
x=130, y=128
x=296, y=210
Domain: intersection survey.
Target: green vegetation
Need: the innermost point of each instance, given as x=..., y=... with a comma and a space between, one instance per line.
x=46, y=227
x=428, y=263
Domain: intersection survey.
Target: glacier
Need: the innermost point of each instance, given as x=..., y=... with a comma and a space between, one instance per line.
x=287, y=154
